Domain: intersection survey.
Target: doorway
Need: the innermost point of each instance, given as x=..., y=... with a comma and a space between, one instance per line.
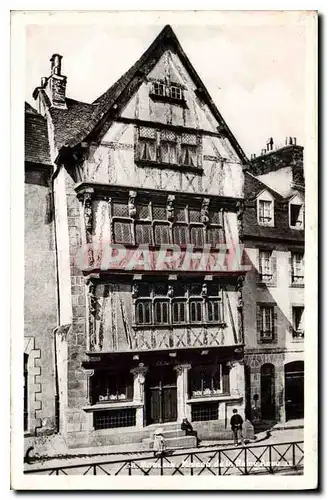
x=161, y=395
x=268, y=409
x=294, y=390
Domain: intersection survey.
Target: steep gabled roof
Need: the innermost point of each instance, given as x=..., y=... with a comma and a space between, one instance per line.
x=93, y=116
x=253, y=187
x=37, y=149
x=68, y=121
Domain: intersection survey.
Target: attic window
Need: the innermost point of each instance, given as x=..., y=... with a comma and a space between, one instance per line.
x=296, y=216
x=175, y=92
x=265, y=212
x=159, y=89
x=167, y=92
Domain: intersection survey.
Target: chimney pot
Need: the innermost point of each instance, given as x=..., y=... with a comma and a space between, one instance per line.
x=294, y=141
x=270, y=144
x=43, y=81
x=263, y=151
x=56, y=64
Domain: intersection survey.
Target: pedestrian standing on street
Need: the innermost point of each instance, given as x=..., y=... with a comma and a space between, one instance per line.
x=159, y=446
x=236, y=423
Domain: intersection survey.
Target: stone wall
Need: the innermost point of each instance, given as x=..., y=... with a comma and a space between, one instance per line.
x=40, y=299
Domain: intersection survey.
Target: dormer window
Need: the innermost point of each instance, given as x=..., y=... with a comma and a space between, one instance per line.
x=296, y=216
x=265, y=211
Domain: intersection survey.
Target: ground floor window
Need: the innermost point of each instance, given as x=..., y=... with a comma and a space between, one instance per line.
x=204, y=411
x=108, y=386
x=114, y=418
x=205, y=380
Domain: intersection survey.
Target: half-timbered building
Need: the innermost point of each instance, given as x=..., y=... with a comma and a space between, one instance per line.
x=148, y=182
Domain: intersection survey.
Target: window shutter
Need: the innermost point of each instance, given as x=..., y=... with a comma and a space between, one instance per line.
x=274, y=268
x=225, y=379
x=275, y=326
x=258, y=270
x=258, y=323
x=290, y=264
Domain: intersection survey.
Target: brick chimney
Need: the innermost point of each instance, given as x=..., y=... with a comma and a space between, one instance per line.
x=54, y=85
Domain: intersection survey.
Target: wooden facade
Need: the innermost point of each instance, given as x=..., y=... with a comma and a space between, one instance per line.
x=160, y=169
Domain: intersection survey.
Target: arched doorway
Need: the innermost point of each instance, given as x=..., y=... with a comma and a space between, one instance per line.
x=268, y=409
x=294, y=390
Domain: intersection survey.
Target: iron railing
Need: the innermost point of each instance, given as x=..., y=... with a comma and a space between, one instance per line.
x=253, y=459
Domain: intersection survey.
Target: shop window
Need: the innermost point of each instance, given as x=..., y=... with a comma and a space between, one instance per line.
x=205, y=380
x=112, y=387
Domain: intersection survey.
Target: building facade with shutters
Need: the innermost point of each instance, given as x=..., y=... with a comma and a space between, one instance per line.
x=274, y=288
x=148, y=181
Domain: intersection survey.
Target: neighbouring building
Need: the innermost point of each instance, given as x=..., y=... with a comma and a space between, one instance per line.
x=274, y=289
x=151, y=162
x=40, y=293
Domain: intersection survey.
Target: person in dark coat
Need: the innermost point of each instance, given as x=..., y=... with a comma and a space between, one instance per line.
x=188, y=429
x=236, y=423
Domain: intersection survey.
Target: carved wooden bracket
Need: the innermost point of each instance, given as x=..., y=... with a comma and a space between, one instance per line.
x=86, y=199
x=240, y=213
x=204, y=211
x=135, y=290
x=170, y=207
x=132, y=204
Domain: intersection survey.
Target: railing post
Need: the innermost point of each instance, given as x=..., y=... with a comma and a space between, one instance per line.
x=294, y=459
x=95, y=470
x=161, y=462
x=245, y=458
x=219, y=465
x=130, y=467
x=191, y=464
x=270, y=459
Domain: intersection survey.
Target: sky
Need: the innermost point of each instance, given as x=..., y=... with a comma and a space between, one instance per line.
x=254, y=73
